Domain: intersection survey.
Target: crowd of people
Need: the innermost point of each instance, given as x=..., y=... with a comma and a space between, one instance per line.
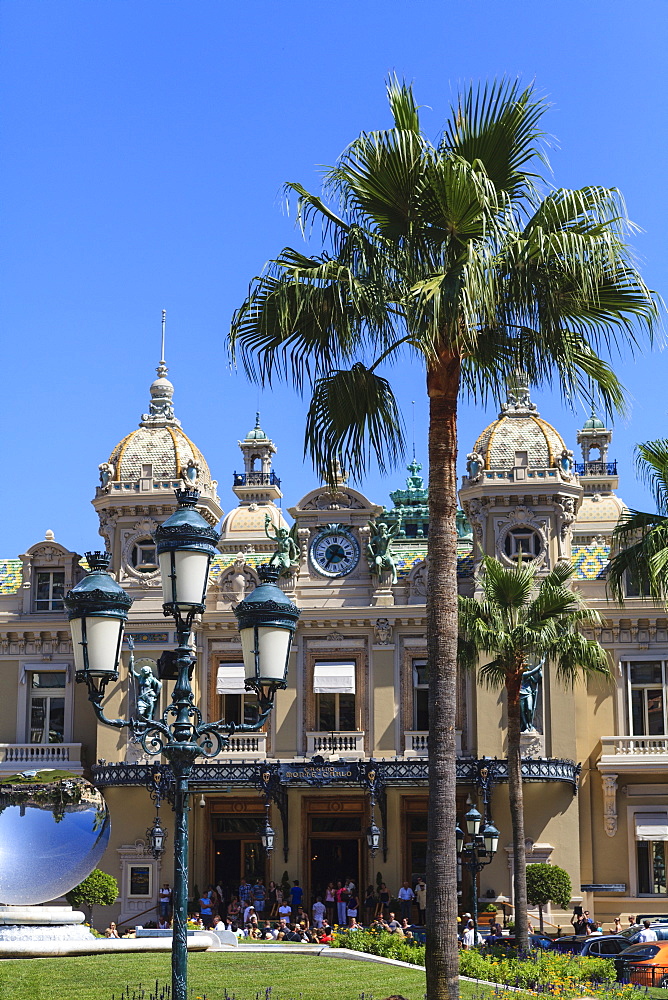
x=270, y=912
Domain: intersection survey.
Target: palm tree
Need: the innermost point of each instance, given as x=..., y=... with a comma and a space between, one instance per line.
x=641, y=559
x=440, y=255
x=522, y=624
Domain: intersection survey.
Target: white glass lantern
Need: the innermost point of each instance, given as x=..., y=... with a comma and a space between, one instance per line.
x=473, y=820
x=268, y=836
x=373, y=835
x=98, y=610
x=491, y=837
x=459, y=839
x=186, y=543
x=267, y=622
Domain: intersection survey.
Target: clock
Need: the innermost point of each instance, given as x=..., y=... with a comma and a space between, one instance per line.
x=334, y=551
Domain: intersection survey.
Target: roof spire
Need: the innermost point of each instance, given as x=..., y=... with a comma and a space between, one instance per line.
x=162, y=368
x=518, y=397
x=161, y=408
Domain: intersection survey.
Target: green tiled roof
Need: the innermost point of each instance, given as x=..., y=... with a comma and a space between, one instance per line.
x=10, y=575
x=590, y=561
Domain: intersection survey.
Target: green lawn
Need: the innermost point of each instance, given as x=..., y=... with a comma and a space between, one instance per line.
x=242, y=976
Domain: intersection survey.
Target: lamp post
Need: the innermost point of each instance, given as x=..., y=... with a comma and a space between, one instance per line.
x=98, y=609
x=477, y=853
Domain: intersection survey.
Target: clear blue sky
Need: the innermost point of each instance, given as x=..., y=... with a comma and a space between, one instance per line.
x=145, y=143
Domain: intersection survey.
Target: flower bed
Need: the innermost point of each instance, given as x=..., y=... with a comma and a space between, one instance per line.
x=380, y=943
x=548, y=973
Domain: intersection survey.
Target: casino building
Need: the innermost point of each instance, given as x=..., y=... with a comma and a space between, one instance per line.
x=352, y=725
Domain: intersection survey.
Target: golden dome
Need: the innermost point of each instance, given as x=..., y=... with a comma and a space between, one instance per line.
x=166, y=449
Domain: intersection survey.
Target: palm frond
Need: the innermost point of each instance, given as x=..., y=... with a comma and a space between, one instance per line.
x=507, y=588
x=402, y=104
x=353, y=415
x=651, y=460
x=641, y=555
x=497, y=125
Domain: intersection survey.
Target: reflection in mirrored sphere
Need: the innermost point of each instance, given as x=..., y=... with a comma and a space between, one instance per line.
x=54, y=828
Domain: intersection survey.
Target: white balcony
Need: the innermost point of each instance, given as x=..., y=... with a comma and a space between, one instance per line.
x=246, y=746
x=16, y=757
x=634, y=753
x=416, y=743
x=340, y=744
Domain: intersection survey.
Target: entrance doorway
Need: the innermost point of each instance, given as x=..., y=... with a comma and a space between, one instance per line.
x=334, y=838
x=332, y=860
x=237, y=848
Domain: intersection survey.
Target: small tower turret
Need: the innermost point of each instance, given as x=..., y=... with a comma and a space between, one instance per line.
x=257, y=483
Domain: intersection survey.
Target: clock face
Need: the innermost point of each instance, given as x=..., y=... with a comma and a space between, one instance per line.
x=335, y=553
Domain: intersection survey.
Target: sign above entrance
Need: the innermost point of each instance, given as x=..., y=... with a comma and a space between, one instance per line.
x=315, y=773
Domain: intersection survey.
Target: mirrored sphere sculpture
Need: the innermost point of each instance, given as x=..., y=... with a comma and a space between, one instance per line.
x=54, y=828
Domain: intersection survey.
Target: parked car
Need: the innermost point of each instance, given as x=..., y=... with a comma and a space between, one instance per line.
x=644, y=964
x=606, y=945
x=536, y=940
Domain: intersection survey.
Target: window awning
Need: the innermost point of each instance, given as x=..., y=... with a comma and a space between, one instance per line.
x=230, y=678
x=651, y=826
x=334, y=678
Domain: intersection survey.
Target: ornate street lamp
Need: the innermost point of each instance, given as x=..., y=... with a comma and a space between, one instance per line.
x=373, y=837
x=186, y=544
x=98, y=610
x=476, y=854
x=156, y=836
x=268, y=834
x=267, y=622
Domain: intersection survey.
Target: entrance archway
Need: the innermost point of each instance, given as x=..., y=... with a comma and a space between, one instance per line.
x=334, y=830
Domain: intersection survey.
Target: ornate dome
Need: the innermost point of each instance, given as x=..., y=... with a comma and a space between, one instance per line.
x=599, y=512
x=158, y=449
x=594, y=423
x=257, y=434
x=166, y=449
x=249, y=520
x=519, y=437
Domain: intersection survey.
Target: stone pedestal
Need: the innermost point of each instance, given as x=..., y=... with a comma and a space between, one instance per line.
x=30, y=924
x=532, y=744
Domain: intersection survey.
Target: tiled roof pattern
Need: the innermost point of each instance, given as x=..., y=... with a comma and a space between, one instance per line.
x=590, y=561
x=167, y=449
x=11, y=575
x=511, y=433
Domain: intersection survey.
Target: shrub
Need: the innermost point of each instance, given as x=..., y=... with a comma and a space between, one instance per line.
x=99, y=889
x=547, y=883
x=381, y=943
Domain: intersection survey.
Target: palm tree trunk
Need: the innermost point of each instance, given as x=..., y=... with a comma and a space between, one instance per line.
x=442, y=953
x=516, y=796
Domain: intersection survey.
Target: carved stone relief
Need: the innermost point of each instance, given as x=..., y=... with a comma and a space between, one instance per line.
x=382, y=631
x=609, y=803
x=236, y=581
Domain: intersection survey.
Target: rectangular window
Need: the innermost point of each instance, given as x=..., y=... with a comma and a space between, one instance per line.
x=651, y=861
x=47, y=707
x=420, y=696
x=236, y=704
x=49, y=590
x=647, y=702
x=335, y=713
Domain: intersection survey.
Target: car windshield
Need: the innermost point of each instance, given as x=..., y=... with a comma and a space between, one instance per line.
x=641, y=951
x=629, y=932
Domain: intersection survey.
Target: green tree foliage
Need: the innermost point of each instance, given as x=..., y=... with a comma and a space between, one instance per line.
x=98, y=889
x=518, y=623
x=641, y=539
x=441, y=255
x=548, y=884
